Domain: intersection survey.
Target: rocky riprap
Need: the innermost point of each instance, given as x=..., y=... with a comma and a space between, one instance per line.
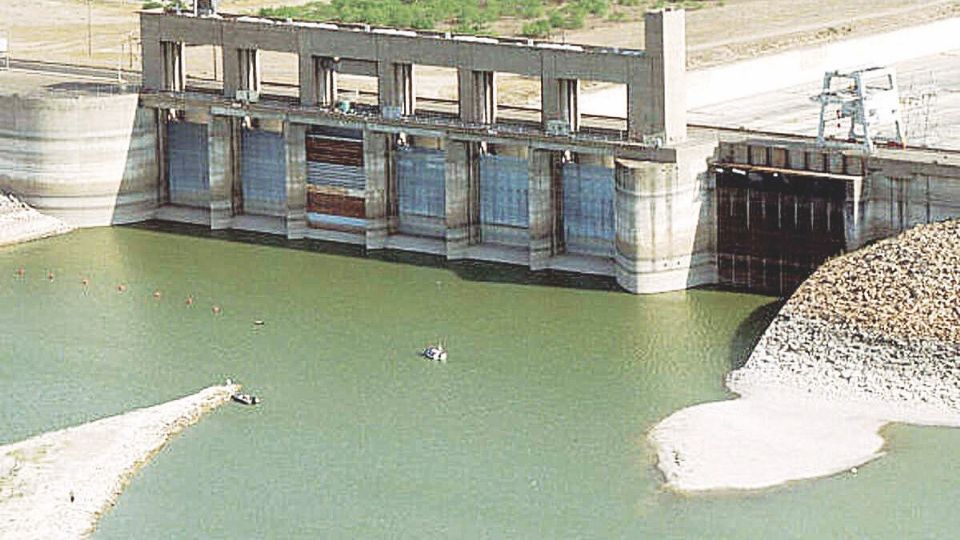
x=879, y=324
x=21, y=223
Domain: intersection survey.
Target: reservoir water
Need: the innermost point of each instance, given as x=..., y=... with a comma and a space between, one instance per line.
x=535, y=428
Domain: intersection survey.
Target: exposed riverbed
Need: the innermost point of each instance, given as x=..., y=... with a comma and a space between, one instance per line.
x=535, y=428
x=871, y=337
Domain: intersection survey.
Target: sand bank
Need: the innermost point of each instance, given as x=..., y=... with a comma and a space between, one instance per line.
x=870, y=338
x=21, y=223
x=771, y=436
x=90, y=463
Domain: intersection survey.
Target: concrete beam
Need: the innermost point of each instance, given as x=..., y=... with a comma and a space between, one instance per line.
x=523, y=57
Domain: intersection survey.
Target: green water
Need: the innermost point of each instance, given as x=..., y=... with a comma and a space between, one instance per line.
x=534, y=429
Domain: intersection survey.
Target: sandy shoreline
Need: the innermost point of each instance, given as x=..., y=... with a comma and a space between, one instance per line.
x=872, y=337
x=21, y=223
x=772, y=436
x=89, y=464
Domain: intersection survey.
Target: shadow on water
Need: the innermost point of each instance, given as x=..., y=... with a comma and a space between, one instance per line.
x=469, y=270
x=750, y=330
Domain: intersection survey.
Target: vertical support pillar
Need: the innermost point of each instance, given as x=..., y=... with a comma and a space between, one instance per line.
x=546, y=207
x=396, y=89
x=381, y=192
x=249, y=70
x=295, y=144
x=174, y=79
x=318, y=80
x=477, y=96
x=163, y=176
x=152, y=53
x=656, y=93
x=462, y=192
x=221, y=135
x=231, y=70
x=665, y=222
x=560, y=100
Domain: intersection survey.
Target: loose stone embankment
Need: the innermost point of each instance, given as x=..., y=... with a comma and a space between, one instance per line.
x=21, y=223
x=57, y=485
x=872, y=337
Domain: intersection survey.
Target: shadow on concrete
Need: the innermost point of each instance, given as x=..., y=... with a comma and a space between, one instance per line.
x=750, y=331
x=481, y=271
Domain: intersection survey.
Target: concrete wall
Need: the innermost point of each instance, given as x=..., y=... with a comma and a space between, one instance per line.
x=898, y=194
x=89, y=161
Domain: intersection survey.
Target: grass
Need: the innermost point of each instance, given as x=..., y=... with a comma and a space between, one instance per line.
x=540, y=18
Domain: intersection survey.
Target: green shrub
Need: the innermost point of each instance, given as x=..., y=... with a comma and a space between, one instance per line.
x=537, y=29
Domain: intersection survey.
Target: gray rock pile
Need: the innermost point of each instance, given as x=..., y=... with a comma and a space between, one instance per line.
x=21, y=223
x=907, y=286
x=879, y=324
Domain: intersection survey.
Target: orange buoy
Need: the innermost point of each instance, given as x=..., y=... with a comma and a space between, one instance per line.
x=216, y=310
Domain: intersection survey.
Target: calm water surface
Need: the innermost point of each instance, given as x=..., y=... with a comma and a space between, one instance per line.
x=534, y=429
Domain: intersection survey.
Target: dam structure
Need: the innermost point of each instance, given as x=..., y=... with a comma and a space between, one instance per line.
x=645, y=197
x=469, y=181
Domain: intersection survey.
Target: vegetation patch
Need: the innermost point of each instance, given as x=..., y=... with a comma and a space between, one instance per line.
x=540, y=18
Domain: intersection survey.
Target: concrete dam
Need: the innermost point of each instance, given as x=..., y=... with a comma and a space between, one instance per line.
x=643, y=197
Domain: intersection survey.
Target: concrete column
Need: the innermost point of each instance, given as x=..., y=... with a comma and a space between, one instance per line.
x=231, y=70
x=224, y=174
x=462, y=177
x=249, y=69
x=396, y=89
x=560, y=101
x=381, y=193
x=656, y=93
x=295, y=142
x=174, y=78
x=163, y=183
x=152, y=54
x=477, y=96
x=546, y=207
x=665, y=223
x=318, y=80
